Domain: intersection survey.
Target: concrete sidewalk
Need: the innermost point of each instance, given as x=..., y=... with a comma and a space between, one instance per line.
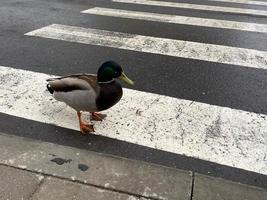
x=32, y=169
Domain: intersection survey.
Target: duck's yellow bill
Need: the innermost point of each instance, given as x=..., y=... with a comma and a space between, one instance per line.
x=124, y=78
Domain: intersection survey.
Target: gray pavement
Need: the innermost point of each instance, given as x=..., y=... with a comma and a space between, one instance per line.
x=104, y=171
x=17, y=184
x=54, y=189
x=210, y=188
x=31, y=169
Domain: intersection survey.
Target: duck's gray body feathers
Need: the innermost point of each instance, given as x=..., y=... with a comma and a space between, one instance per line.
x=83, y=93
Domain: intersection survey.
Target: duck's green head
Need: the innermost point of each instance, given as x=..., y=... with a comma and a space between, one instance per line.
x=110, y=70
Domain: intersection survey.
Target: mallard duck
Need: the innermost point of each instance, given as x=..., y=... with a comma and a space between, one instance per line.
x=90, y=92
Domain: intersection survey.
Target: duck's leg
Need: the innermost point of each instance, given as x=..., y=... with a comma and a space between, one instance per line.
x=84, y=127
x=97, y=116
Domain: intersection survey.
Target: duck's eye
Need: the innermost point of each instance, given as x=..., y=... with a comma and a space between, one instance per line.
x=117, y=74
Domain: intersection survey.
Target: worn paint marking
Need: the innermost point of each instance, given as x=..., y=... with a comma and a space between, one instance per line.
x=164, y=46
x=176, y=19
x=218, y=134
x=196, y=7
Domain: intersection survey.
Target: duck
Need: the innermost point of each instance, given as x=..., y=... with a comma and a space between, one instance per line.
x=91, y=93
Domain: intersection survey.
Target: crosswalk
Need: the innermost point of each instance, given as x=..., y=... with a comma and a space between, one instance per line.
x=224, y=135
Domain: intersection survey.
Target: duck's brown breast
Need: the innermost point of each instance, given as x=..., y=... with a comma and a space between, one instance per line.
x=109, y=95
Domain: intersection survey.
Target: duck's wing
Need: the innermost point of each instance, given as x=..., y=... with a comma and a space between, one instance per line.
x=79, y=91
x=73, y=82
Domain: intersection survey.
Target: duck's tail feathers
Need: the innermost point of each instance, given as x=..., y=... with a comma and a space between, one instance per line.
x=48, y=86
x=51, y=79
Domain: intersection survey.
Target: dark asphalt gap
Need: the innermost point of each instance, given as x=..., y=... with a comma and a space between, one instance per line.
x=49, y=133
x=213, y=83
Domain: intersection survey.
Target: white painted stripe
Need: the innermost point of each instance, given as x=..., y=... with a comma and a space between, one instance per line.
x=218, y=134
x=262, y=3
x=175, y=19
x=196, y=7
x=148, y=44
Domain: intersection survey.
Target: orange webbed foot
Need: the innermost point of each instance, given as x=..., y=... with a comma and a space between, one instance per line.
x=86, y=128
x=97, y=116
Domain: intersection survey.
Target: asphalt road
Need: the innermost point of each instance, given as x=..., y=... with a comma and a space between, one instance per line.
x=226, y=85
